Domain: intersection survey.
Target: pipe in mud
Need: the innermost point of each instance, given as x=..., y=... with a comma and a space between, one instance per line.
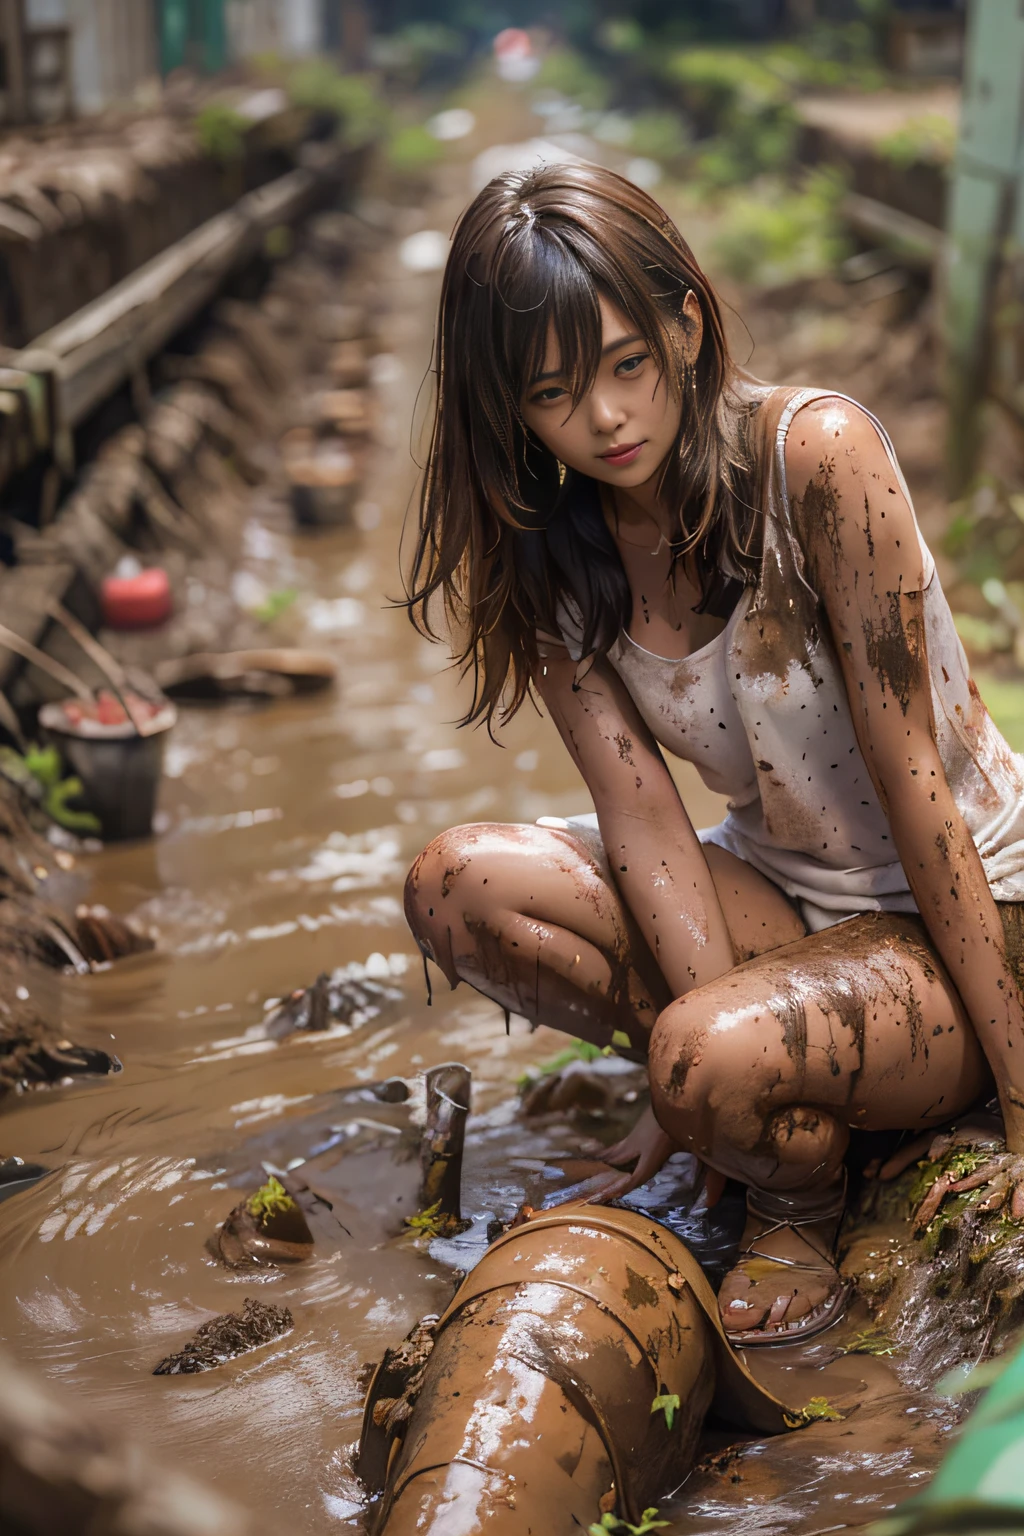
x=444, y=1137
x=569, y=1378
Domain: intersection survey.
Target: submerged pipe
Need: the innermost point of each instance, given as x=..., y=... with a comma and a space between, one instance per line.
x=569, y=1378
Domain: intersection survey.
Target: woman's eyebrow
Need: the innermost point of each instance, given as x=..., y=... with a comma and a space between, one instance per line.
x=613, y=346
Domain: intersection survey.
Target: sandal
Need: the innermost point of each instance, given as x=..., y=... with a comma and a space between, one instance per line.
x=785, y=1286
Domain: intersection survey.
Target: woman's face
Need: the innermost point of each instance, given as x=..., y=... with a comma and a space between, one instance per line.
x=624, y=426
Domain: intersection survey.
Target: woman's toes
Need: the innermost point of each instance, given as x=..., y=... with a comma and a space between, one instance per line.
x=740, y=1309
x=803, y=1302
x=780, y=1309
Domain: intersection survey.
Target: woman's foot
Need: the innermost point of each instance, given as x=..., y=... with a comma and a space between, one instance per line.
x=785, y=1285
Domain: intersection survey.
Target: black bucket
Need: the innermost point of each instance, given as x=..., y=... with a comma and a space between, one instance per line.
x=119, y=769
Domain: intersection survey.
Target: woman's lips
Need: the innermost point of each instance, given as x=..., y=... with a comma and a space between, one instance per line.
x=620, y=456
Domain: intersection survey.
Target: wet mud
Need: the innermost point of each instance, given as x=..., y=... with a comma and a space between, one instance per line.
x=286, y=830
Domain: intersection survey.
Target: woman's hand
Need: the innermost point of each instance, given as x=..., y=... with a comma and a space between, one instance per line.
x=647, y=1146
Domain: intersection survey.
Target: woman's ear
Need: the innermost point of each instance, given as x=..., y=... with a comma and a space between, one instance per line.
x=693, y=328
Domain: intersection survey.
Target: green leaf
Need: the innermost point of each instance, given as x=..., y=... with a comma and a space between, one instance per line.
x=275, y=603
x=620, y=1038
x=667, y=1403
x=55, y=804
x=43, y=763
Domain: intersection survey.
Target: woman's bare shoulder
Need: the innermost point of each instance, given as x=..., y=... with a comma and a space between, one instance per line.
x=831, y=436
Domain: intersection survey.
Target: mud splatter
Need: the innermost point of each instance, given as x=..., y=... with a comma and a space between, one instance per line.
x=625, y=746
x=639, y=1291
x=895, y=646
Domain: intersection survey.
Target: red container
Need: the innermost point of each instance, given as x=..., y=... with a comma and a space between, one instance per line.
x=137, y=602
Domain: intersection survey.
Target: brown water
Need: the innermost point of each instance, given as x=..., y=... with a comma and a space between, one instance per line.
x=287, y=831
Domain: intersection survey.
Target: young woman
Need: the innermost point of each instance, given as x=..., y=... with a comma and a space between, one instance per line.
x=674, y=555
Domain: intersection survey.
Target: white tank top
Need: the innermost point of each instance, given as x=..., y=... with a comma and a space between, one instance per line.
x=763, y=715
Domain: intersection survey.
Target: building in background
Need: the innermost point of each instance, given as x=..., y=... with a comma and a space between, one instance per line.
x=61, y=58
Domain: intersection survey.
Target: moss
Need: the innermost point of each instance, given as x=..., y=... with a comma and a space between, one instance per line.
x=958, y=1161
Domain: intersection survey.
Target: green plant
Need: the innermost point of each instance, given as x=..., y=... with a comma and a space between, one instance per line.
x=38, y=773
x=579, y=1050
x=668, y=1404
x=274, y=604
x=818, y=1410
x=868, y=1342
x=929, y=139
x=353, y=99
x=271, y=1199
x=771, y=233
x=648, y=1522
x=433, y=1222
x=221, y=131
x=661, y=136
x=412, y=150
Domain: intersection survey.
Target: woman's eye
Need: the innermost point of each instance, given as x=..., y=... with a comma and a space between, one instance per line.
x=545, y=396
x=631, y=364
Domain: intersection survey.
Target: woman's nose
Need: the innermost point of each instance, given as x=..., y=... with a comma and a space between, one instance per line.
x=605, y=413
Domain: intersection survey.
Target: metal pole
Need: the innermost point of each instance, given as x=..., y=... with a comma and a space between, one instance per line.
x=981, y=213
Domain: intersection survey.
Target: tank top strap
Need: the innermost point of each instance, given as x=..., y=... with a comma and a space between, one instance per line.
x=785, y=411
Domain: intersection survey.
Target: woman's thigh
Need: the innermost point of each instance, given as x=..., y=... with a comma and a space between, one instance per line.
x=860, y=1021
x=497, y=904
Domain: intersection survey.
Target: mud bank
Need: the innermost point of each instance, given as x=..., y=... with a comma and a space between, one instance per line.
x=85, y=204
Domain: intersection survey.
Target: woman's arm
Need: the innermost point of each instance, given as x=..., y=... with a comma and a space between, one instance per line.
x=864, y=558
x=656, y=857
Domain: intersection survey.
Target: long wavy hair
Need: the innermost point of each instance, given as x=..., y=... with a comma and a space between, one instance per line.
x=504, y=546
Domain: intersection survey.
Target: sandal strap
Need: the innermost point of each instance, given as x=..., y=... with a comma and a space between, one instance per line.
x=792, y=1226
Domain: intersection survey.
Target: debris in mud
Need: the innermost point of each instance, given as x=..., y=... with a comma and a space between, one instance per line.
x=225, y=1338
x=582, y=1085
x=435, y=1222
x=938, y=1253
x=268, y=1228
x=339, y=998
x=254, y=674
x=103, y=936
x=27, y=1064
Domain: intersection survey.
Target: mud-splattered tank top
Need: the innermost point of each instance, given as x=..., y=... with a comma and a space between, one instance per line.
x=763, y=715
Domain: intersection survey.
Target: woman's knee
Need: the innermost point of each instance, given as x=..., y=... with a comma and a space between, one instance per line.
x=455, y=880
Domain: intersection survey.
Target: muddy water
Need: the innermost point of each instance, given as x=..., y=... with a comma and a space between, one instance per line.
x=287, y=830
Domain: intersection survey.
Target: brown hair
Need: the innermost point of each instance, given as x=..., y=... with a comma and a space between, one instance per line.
x=503, y=543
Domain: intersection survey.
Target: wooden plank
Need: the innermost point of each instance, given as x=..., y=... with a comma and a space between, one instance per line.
x=917, y=244
x=981, y=214
x=100, y=346
x=78, y=364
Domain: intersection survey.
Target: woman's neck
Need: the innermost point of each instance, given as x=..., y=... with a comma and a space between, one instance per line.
x=640, y=512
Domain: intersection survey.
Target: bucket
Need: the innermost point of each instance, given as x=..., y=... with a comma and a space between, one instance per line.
x=120, y=768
